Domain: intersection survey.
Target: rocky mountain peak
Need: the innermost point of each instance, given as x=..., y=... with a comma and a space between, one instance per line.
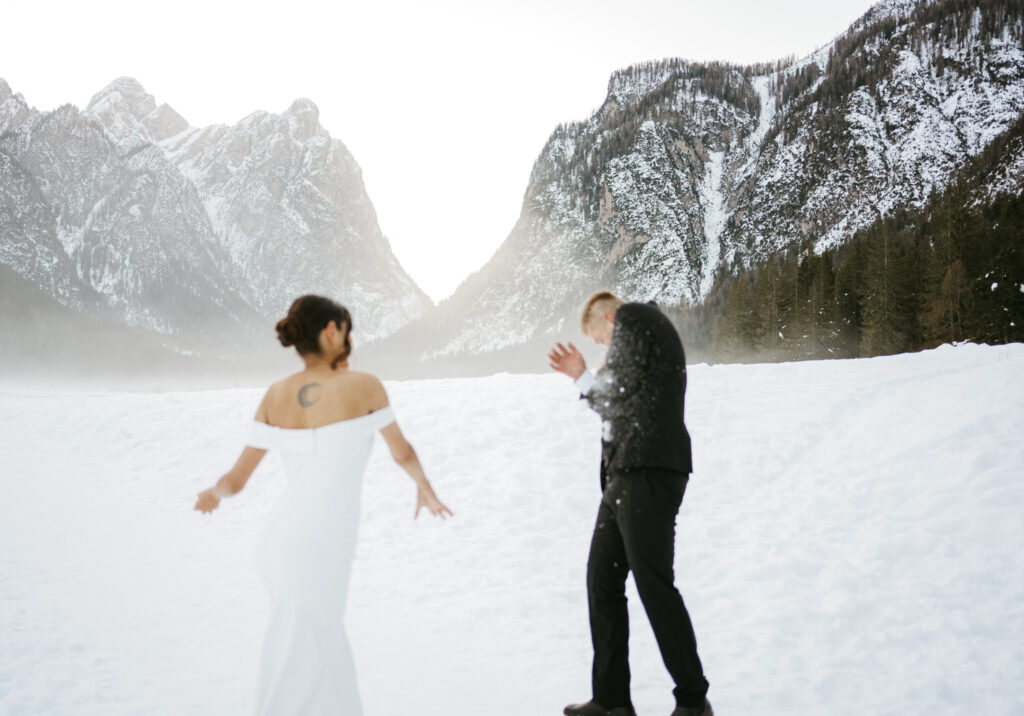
x=125, y=92
x=303, y=118
x=10, y=101
x=131, y=116
x=163, y=122
x=13, y=108
x=893, y=8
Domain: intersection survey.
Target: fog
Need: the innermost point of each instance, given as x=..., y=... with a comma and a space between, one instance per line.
x=81, y=360
x=47, y=346
x=65, y=351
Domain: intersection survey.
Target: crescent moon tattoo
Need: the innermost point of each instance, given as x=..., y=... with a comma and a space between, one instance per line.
x=304, y=399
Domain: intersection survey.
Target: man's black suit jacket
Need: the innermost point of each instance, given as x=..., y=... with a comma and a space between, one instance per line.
x=640, y=393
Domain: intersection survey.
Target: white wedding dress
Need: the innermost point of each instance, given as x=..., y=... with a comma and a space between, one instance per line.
x=305, y=558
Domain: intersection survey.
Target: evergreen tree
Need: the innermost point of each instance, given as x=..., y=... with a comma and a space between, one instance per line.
x=885, y=303
x=944, y=321
x=996, y=302
x=768, y=331
x=791, y=325
x=825, y=309
x=734, y=341
x=849, y=287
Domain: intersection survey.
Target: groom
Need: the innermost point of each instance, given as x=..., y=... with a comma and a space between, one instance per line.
x=645, y=464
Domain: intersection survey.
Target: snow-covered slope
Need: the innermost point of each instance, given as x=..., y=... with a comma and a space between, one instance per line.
x=688, y=169
x=125, y=209
x=849, y=544
x=289, y=206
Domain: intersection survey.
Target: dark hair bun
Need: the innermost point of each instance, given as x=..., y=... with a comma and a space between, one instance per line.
x=289, y=331
x=306, y=318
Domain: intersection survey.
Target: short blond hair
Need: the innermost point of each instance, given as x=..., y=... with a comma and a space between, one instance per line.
x=597, y=305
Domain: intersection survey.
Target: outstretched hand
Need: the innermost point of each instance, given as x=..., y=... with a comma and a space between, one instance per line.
x=207, y=501
x=425, y=497
x=567, y=360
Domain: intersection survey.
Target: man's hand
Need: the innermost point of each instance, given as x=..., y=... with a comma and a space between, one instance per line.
x=567, y=360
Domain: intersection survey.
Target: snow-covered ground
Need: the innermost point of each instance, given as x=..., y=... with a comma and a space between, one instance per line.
x=852, y=542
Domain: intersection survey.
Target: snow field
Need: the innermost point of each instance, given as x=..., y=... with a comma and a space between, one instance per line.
x=851, y=542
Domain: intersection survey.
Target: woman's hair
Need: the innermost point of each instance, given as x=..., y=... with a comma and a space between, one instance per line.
x=307, y=316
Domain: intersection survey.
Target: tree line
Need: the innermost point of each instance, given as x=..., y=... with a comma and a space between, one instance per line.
x=950, y=271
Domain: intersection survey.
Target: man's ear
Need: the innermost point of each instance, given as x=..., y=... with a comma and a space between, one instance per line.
x=610, y=316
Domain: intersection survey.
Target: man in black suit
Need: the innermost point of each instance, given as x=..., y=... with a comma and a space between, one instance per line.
x=645, y=464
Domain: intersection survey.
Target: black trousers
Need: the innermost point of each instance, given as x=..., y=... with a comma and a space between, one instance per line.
x=635, y=530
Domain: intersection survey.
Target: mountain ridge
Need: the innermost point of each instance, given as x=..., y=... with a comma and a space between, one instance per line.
x=690, y=170
x=203, y=235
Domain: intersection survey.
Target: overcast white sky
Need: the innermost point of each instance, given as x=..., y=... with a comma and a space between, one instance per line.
x=445, y=105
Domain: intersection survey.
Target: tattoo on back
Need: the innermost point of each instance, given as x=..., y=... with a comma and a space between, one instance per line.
x=305, y=397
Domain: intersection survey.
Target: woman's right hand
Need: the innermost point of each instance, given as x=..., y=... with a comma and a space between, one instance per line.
x=425, y=497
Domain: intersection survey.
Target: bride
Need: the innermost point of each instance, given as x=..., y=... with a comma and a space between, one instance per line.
x=322, y=419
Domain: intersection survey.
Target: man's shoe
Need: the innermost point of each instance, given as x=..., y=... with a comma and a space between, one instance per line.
x=592, y=708
x=702, y=710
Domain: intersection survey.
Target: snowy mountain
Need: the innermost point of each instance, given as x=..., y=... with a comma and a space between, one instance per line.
x=124, y=210
x=272, y=183
x=688, y=169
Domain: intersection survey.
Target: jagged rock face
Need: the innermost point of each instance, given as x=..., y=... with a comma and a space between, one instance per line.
x=35, y=251
x=687, y=169
x=131, y=117
x=897, y=139
x=131, y=237
x=125, y=210
x=273, y=183
x=1006, y=176
x=13, y=110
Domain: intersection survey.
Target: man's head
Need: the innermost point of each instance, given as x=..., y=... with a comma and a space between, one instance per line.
x=598, y=316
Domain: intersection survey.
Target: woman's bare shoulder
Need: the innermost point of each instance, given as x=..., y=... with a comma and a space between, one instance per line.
x=276, y=393
x=283, y=385
x=364, y=388
x=367, y=379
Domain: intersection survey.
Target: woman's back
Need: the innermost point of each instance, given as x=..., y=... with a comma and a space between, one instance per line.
x=314, y=398
x=323, y=426
x=323, y=423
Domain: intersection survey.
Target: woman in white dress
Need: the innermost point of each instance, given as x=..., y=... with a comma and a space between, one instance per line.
x=322, y=419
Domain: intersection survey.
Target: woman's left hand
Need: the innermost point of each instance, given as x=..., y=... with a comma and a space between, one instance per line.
x=425, y=497
x=207, y=501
